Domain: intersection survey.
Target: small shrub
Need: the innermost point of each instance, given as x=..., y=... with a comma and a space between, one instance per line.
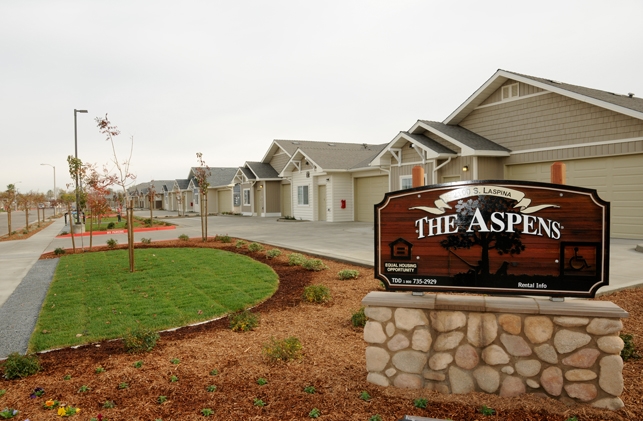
x=2, y=392
x=109, y=404
x=314, y=265
x=18, y=366
x=8, y=413
x=420, y=403
x=261, y=381
x=161, y=399
x=365, y=396
x=147, y=222
x=184, y=237
x=259, y=402
x=123, y=385
x=629, y=349
x=111, y=225
x=138, y=364
x=486, y=411
x=214, y=372
x=59, y=251
x=282, y=350
x=309, y=389
x=574, y=418
x=67, y=377
x=272, y=253
x=84, y=389
x=255, y=247
x=376, y=417
x=239, y=244
x=146, y=240
x=207, y=412
x=317, y=294
x=244, y=321
x=348, y=274
x=211, y=388
x=174, y=379
x=358, y=319
x=140, y=340
x=99, y=370
x=314, y=413
x=223, y=238
x=111, y=243
x=175, y=361
x=296, y=259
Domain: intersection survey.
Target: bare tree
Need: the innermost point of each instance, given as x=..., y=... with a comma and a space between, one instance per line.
x=68, y=199
x=124, y=177
x=201, y=173
x=8, y=199
x=152, y=197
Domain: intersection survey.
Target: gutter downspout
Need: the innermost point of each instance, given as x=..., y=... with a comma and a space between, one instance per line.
x=435, y=170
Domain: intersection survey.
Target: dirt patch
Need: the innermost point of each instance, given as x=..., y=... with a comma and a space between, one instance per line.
x=333, y=363
x=34, y=228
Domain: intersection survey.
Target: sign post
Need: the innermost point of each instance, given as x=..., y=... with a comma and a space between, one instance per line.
x=493, y=236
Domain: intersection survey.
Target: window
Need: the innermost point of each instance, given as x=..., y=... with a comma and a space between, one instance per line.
x=246, y=197
x=510, y=91
x=302, y=195
x=196, y=195
x=406, y=182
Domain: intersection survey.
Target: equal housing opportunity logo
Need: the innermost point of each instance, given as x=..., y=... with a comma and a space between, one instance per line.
x=493, y=236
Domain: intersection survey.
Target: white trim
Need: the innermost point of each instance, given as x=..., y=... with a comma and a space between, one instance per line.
x=307, y=195
x=578, y=145
x=475, y=168
x=405, y=177
x=243, y=197
x=493, y=104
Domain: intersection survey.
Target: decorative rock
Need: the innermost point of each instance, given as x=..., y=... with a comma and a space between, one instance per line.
x=410, y=361
x=538, y=329
x=581, y=391
x=378, y=379
x=466, y=357
x=433, y=375
x=482, y=329
x=552, y=380
x=494, y=355
x=610, y=344
x=390, y=329
x=398, y=342
x=421, y=340
x=508, y=370
x=604, y=326
x=584, y=358
x=407, y=318
x=440, y=361
x=487, y=378
x=580, y=375
x=438, y=387
x=611, y=377
x=446, y=321
x=390, y=372
x=379, y=314
x=528, y=368
x=567, y=341
x=461, y=381
x=510, y=323
x=609, y=403
x=447, y=341
x=533, y=383
x=571, y=321
x=515, y=345
x=373, y=333
x=512, y=386
x=408, y=381
x=376, y=358
x=547, y=353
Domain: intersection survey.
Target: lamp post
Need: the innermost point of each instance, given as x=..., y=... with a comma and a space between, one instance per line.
x=76, y=156
x=55, y=197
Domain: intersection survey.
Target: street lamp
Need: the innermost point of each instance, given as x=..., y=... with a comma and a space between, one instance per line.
x=55, y=197
x=76, y=156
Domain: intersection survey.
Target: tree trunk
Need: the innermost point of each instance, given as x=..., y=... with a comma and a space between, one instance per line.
x=27, y=218
x=9, y=220
x=130, y=234
x=151, y=205
x=206, y=216
x=91, y=228
x=71, y=228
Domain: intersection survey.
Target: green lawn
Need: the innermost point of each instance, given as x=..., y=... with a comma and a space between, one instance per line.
x=95, y=295
x=138, y=222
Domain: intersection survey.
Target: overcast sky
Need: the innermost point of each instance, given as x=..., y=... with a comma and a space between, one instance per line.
x=225, y=78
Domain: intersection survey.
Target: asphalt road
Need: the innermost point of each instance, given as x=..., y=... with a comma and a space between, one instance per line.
x=18, y=219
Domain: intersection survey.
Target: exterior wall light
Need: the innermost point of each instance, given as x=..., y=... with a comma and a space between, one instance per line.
x=465, y=168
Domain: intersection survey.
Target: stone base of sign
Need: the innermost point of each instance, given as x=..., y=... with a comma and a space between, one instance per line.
x=501, y=345
x=78, y=228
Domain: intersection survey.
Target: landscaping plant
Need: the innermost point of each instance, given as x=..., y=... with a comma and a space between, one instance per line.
x=272, y=253
x=111, y=243
x=314, y=265
x=244, y=321
x=255, y=247
x=358, y=319
x=18, y=366
x=282, y=349
x=348, y=274
x=317, y=294
x=140, y=340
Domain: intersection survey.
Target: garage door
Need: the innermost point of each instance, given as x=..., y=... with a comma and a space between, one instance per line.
x=286, y=200
x=618, y=180
x=225, y=201
x=368, y=192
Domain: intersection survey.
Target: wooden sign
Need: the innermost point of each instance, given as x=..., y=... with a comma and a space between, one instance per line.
x=505, y=237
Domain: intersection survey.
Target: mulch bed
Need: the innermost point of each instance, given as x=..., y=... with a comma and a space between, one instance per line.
x=333, y=363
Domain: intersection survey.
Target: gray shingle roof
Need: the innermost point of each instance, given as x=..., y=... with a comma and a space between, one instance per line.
x=221, y=176
x=334, y=155
x=183, y=183
x=633, y=103
x=249, y=175
x=466, y=137
x=430, y=143
x=262, y=171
